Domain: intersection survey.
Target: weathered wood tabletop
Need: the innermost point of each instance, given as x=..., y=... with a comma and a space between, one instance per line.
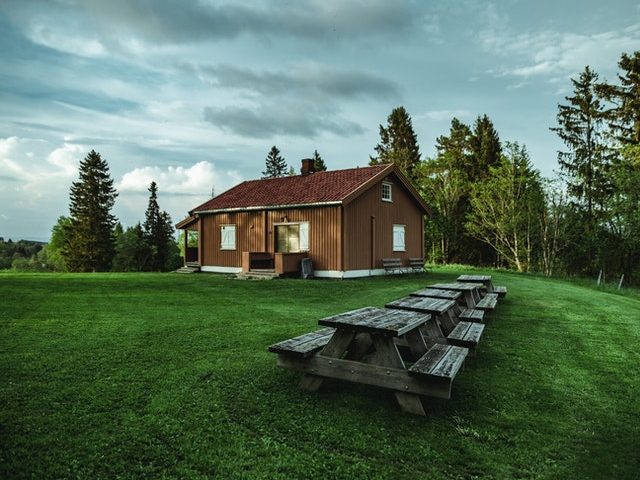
x=441, y=308
x=431, y=374
x=437, y=293
x=471, y=291
x=483, y=279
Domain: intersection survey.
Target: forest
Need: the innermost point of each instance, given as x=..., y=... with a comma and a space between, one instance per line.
x=492, y=207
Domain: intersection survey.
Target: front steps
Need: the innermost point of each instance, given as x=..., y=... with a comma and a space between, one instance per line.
x=258, y=274
x=188, y=269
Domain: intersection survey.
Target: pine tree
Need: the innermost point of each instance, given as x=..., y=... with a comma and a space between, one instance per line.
x=158, y=229
x=580, y=126
x=318, y=162
x=90, y=242
x=398, y=143
x=457, y=146
x=486, y=149
x=275, y=165
x=586, y=164
x=624, y=117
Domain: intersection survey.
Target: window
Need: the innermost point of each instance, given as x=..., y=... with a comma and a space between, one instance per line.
x=398, y=238
x=292, y=237
x=227, y=237
x=386, y=192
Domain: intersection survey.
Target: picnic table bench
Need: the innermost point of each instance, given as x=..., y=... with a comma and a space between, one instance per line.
x=456, y=330
x=488, y=302
x=341, y=357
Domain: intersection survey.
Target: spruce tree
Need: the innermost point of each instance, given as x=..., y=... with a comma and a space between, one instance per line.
x=89, y=237
x=275, y=165
x=398, y=143
x=159, y=231
x=318, y=162
x=624, y=117
x=585, y=166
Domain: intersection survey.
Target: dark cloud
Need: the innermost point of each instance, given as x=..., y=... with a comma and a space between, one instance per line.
x=7, y=178
x=309, y=80
x=267, y=121
x=179, y=21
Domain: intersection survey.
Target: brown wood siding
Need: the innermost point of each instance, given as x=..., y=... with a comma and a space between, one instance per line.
x=324, y=235
x=359, y=243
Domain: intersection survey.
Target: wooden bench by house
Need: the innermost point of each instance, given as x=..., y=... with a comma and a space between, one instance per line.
x=488, y=302
x=391, y=265
x=416, y=264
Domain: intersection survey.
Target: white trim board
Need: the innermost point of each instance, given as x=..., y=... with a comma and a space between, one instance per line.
x=348, y=273
x=219, y=269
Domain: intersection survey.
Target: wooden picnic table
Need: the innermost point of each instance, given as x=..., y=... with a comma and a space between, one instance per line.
x=483, y=279
x=470, y=291
x=337, y=352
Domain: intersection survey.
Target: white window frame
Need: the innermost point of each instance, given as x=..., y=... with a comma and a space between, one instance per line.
x=303, y=228
x=227, y=228
x=397, y=247
x=382, y=193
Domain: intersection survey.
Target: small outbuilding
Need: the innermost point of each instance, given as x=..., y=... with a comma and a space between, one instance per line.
x=345, y=221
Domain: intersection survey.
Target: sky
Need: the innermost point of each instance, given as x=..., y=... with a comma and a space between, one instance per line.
x=193, y=94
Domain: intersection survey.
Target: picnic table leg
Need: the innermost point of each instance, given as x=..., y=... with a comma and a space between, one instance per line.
x=476, y=294
x=387, y=355
x=468, y=296
x=432, y=333
x=335, y=348
x=361, y=345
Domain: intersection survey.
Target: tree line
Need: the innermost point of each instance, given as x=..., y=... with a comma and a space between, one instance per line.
x=276, y=166
x=491, y=207
x=90, y=238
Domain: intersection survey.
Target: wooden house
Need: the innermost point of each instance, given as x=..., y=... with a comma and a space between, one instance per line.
x=346, y=221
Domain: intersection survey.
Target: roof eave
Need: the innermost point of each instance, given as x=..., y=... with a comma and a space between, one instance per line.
x=268, y=207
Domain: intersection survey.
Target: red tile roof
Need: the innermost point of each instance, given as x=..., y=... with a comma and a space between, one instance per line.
x=319, y=187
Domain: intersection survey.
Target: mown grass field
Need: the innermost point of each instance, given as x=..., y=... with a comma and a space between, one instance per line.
x=162, y=375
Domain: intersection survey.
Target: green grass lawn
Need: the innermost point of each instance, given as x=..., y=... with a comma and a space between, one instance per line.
x=163, y=375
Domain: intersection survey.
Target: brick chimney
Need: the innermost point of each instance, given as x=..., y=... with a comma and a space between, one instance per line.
x=308, y=166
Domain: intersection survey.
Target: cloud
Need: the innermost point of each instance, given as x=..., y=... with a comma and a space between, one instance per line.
x=554, y=55
x=267, y=120
x=439, y=115
x=196, y=180
x=300, y=102
x=308, y=79
x=67, y=158
x=123, y=24
x=37, y=168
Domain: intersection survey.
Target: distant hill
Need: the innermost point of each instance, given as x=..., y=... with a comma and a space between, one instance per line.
x=10, y=250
